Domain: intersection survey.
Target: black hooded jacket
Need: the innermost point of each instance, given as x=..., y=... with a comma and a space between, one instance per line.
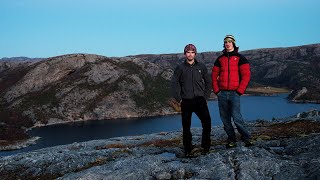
x=190, y=81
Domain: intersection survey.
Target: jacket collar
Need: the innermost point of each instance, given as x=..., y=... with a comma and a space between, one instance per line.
x=234, y=52
x=195, y=62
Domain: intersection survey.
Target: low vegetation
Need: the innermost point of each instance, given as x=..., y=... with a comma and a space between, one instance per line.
x=156, y=143
x=266, y=90
x=155, y=95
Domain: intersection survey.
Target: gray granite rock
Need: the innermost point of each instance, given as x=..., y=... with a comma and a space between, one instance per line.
x=161, y=156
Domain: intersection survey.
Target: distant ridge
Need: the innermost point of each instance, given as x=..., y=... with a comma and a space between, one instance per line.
x=20, y=59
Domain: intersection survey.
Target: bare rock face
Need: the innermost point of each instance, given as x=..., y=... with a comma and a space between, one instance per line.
x=5, y=65
x=134, y=83
x=83, y=87
x=103, y=72
x=304, y=95
x=151, y=68
x=295, y=95
x=167, y=74
x=45, y=73
x=126, y=107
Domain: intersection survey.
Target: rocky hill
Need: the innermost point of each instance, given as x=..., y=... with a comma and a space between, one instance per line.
x=284, y=149
x=76, y=87
x=80, y=87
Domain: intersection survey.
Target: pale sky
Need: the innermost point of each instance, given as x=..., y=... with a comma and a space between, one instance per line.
x=46, y=28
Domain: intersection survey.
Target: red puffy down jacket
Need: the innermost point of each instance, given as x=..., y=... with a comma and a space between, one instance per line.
x=231, y=71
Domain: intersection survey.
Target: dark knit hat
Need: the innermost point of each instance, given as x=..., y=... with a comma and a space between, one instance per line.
x=190, y=47
x=229, y=38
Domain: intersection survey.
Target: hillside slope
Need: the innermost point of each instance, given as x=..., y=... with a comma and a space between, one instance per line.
x=80, y=87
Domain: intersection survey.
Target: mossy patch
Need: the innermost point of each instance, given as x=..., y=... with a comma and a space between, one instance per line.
x=155, y=94
x=156, y=142
x=287, y=130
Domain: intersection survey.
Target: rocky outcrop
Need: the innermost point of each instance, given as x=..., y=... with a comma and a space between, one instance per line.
x=296, y=94
x=303, y=96
x=46, y=73
x=284, y=149
x=20, y=144
x=84, y=87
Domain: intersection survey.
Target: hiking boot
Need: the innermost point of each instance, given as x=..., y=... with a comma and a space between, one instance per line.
x=205, y=151
x=188, y=152
x=231, y=145
x=188, y=155
x=248, y=142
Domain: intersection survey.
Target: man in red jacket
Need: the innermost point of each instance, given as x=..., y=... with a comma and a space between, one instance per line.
x=230, y=78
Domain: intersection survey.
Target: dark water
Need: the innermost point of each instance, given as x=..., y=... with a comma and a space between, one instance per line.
x=252, y=108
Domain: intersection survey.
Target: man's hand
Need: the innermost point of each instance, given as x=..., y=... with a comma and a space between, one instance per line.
x=174, y=104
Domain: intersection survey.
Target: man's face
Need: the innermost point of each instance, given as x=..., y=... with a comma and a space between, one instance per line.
x=229, y=46
x=190, y=55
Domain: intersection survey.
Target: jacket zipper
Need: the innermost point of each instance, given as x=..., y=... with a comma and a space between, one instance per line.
x=192, y=80
x=228, y=71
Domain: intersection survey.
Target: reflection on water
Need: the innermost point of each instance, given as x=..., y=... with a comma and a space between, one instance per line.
x=252, y=108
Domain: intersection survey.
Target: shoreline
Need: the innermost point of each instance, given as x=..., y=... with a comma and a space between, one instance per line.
x=305, y=101
x=83, y=120
x=20, y=144
x=32, y=140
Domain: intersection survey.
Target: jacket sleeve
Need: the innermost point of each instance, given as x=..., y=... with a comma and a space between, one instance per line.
x=215, y=77
x=208, y=83
x=175, y=84
x=245, y=75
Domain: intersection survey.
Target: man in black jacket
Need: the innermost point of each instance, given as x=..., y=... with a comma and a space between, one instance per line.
x=191, y=87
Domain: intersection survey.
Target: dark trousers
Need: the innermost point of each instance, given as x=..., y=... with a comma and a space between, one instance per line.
x=199, y=106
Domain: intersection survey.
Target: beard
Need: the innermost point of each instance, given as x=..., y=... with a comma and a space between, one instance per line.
x=190, y=58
